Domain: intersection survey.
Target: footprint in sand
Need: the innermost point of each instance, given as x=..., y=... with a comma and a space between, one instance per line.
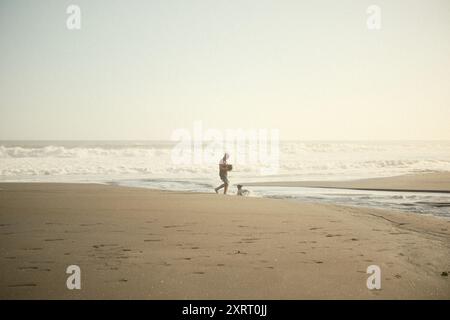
x=106, y=245
x=89, y=224
x=250, y=239
x=172, y=226
x=27, y=268
x=333, y=235
x=22, y=285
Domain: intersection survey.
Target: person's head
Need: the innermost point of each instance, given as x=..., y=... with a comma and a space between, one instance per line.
x=239, y=186
x=226, y=156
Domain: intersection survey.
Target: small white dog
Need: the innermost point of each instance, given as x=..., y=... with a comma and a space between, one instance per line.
x=242, y=192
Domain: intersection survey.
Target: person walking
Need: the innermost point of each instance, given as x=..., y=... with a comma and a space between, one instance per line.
x=224, y=167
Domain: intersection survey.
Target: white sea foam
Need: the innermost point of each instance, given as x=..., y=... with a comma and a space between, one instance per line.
x=297, y=159
x=148, y=164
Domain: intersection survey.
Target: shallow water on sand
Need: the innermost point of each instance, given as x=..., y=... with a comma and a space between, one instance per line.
x=416, y=202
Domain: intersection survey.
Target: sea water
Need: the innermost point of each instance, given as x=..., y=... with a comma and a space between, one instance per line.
x=149, y=164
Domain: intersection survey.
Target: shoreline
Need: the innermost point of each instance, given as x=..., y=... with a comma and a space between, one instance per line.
x=343, y=188
x=436, y=203
x=436, y=182
x=136, y=243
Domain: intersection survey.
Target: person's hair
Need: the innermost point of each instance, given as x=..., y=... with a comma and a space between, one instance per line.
x=239, y=186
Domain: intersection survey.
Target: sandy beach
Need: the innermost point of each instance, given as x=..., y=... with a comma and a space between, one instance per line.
x=223, y=150
x=147, y=244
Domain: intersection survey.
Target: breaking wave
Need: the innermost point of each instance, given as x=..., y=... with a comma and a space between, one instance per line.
x=109, y=161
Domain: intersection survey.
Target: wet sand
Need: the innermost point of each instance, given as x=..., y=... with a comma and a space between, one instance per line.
x=426, y=182
x=146, y=244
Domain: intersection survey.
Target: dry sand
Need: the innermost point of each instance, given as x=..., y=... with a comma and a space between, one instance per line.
x=426, y=182
x=139, y=243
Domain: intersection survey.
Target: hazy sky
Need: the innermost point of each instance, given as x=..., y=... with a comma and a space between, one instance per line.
x=141, y=69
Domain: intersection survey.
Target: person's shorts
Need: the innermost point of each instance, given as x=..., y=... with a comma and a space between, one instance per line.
x=224, y=179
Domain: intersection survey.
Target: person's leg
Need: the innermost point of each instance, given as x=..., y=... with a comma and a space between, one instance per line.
x=223, y=185
x=219, y=187
x=226, y=183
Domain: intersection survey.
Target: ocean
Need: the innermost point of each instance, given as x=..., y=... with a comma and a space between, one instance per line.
x=150, y=164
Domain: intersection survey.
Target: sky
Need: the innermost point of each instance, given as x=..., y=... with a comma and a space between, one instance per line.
x=139, y=70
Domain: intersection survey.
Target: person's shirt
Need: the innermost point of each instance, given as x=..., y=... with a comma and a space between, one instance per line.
x=221, y=163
